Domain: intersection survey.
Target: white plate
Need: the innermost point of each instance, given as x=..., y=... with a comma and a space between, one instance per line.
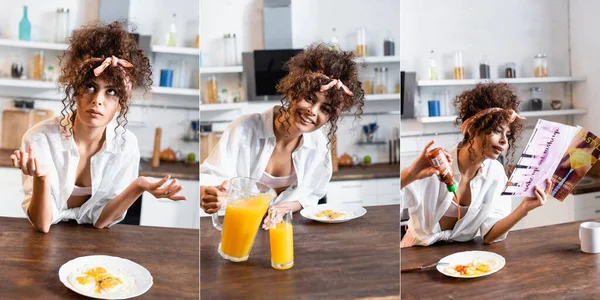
x=352, y=211
x=143, y=279
x=496, y=262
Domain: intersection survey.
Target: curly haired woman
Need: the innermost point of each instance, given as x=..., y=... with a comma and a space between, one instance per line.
x=83, y=165
x=284, y=146
x=490, y=125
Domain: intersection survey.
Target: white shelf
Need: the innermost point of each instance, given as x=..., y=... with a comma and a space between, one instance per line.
x=33, y=45
x=176, y=50
x=219, y=70
x=36, y=84
x=463, y=82
x=221, y=107
x=175, y=91
x=378, y=59
x=526, y=114
x=378, y=97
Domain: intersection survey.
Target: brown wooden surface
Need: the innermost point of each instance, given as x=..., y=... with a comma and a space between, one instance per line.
x=177, y=170
x=29, y=260
x=352, y=260
x=541, y=263
x=373, y=171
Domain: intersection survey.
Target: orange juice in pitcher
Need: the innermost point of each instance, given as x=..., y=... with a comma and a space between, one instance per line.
x=241, y=224
x=247, y=202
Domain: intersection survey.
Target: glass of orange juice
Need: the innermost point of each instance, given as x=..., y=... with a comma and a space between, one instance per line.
x=246, y=204
x=281, y=236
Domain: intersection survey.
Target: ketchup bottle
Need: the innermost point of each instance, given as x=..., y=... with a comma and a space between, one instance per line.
x=440, y=162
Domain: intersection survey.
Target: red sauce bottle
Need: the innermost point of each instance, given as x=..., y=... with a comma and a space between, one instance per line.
x=440, y=162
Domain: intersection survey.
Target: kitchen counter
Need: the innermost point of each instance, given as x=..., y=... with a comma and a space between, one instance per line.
x=352, y=260
x=373, y=171
x=178, y=170
x=31, y=260
x=541, y=263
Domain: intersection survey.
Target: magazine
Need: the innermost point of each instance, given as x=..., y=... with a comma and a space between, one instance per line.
x=561, y=152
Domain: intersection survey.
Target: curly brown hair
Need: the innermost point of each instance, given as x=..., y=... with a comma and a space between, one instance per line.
x=97, y=40
x=484, y=96
x=310, y=69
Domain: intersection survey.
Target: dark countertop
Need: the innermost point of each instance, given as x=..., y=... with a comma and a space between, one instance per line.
x=31, y=260
x=373, y=171
x=356, y=259
x=541, y=263
x=178, y=170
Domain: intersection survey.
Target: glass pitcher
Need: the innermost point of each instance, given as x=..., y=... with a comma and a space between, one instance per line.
x=246, y=204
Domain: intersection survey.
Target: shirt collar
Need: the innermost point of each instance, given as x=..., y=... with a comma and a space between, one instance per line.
x=268, y=132
x=454, y=154
x=68, y=142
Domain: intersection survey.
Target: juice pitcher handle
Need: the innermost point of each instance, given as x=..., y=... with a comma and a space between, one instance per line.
x=216, y=223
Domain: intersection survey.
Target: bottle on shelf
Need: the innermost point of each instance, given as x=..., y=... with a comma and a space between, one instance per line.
x=433, y=73
x=335, y=43
x=24, y=27
x=171, y=36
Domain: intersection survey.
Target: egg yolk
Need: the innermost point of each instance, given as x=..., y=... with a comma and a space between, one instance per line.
x=101, y=277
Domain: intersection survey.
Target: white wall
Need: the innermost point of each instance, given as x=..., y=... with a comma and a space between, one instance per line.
x=585, y=46
x=151, y=17
x=312, y=21
x=503, y=31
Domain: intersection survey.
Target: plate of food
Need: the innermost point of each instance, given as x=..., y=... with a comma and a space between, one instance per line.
x=105, y=277
x=333, y=213
x=471, y=264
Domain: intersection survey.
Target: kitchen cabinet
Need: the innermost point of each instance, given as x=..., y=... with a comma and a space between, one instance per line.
x=168, y=213
x=552, y=212
x=370, y=192
x=11, y=186
x=363, y=192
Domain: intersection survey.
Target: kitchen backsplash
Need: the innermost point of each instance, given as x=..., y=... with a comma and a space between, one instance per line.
x=142, y=122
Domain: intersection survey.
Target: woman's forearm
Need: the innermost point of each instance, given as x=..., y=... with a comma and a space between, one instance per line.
x=40, y=207
x=406, y=178
x=293, y=205
x=505, y=224
x=117, y=206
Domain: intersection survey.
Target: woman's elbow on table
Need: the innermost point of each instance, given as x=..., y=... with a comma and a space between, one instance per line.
x=43, y=228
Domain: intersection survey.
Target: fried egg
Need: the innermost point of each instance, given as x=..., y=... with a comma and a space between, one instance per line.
x=329, y=214
x=102, y=281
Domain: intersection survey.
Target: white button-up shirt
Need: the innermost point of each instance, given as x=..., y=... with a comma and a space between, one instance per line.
x=246, y=147
x=112, y=169
x=428, y=199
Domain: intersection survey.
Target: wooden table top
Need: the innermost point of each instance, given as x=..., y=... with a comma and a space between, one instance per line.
x=541, y=263
x=351, y=260
x=30, y=260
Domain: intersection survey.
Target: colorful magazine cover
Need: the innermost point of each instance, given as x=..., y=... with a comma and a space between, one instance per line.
x=561, y=152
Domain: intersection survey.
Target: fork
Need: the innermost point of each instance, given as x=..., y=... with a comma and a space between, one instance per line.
x=419, y=268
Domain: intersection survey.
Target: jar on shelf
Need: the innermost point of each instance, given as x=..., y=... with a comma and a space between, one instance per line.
x=39, y=63
x=212, y=90
x=540, y=62
x=61, y=25
x=230, y=49
x=536, y=102
x=459, y=67
x=361, y=42
x=381, y=80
